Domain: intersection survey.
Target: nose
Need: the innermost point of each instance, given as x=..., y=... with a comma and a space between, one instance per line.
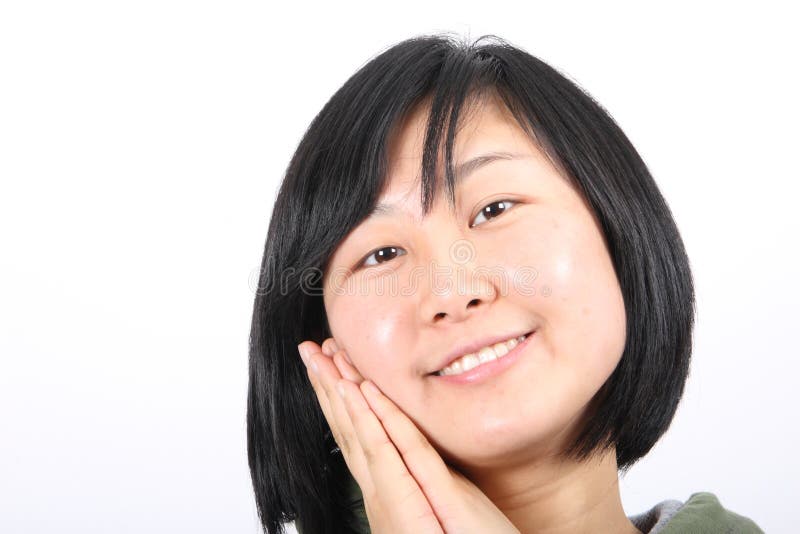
x=456, y=286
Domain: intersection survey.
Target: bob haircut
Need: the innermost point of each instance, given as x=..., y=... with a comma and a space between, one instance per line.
x=334, y=180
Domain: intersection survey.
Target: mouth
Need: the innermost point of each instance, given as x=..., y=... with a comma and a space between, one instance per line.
x=484, y=355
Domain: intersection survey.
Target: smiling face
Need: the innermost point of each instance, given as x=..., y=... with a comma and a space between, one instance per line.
x=520, y=251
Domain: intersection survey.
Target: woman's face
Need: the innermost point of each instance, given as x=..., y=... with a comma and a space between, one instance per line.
x=537, y=263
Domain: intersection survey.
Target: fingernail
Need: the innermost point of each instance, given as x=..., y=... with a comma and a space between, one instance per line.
x=314, y=367
x=303, y=355
x=334, y=347
x=340, y=388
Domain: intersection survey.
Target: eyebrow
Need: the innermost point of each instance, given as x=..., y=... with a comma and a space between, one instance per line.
x=462, y=172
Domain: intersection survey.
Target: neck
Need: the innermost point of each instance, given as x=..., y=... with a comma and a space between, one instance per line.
x=555, y=496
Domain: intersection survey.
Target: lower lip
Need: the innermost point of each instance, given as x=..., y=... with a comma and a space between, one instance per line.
x=489, y=369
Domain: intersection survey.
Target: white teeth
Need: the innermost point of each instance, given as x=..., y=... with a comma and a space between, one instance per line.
x=469, y=361
x=486, y=354
x=500, y=350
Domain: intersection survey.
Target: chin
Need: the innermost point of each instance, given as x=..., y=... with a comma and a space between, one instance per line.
x=486, y=448
x=500, y=442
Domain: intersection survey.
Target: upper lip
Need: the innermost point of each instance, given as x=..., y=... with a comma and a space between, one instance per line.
x=474, y=346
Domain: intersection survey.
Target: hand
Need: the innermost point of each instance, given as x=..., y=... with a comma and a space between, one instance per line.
x=406, y=485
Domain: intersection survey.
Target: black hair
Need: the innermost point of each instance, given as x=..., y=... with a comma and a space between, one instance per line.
x=335, y=178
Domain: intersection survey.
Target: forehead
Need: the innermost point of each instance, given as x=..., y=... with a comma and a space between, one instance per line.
x=486, y=131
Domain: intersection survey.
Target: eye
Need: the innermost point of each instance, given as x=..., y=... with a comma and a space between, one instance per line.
x=384, y=253
x=493, y=209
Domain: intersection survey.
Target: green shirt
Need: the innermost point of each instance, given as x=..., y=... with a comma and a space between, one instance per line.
x=701, y=514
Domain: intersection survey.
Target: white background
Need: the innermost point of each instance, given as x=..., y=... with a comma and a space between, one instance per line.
x=141, y=147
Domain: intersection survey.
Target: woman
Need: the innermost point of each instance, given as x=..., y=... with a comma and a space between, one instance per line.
x=491, y=302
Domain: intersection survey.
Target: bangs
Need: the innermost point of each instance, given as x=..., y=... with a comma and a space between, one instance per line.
x=467, y=77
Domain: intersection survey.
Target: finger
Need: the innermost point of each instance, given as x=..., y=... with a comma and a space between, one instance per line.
x=312, y=370
x=354, y=459
x=329, y=347
x=327, y=375
x=346, y=369
x=422, y=460
x=393, y=484
x=326, y=400
x=316, y=385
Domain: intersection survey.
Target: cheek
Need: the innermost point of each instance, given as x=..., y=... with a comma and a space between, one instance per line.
x=375, y=332
x=585, y=302
x=561, y=268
